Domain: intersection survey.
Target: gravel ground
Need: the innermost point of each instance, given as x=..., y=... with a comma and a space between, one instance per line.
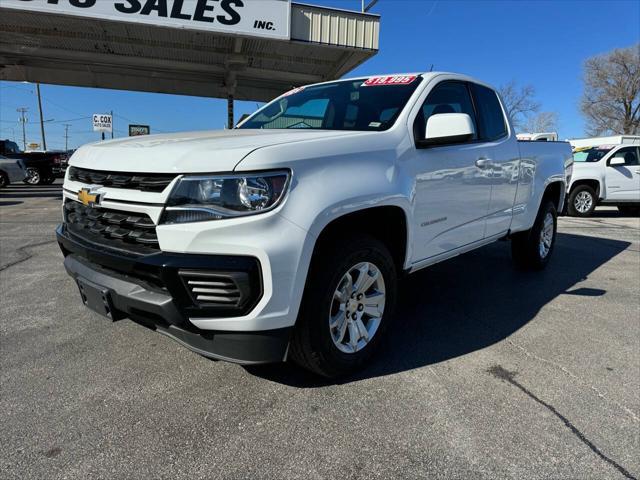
x=488, y=373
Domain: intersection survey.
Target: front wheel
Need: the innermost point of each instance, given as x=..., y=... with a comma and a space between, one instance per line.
x=4, y=180
x=582, y=201
x=34, y=177
x=531, y=250
x=347, y=306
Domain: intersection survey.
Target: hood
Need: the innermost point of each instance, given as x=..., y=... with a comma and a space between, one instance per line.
x=187, y=152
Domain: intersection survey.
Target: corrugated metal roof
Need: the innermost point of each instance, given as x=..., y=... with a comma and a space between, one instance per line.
x=334, y=27
x=66, y=50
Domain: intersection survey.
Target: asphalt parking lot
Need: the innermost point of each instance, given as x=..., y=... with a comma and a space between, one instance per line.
x=488, y=373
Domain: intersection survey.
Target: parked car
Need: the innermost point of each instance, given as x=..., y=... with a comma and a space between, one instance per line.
x=605, y=175
x=42, y=168
x=10, y=171
x=285, y=237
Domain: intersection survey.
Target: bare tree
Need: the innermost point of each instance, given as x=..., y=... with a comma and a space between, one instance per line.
x=542, y=122
x=519, y=102
x=611, y=99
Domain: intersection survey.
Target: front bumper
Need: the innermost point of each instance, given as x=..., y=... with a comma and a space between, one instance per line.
x=149, y=290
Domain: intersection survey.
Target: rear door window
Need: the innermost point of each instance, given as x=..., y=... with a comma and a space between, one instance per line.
x=490, y=115
x=446, y=97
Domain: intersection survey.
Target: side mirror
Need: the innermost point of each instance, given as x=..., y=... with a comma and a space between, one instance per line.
x=616, y=162
x=447, y=128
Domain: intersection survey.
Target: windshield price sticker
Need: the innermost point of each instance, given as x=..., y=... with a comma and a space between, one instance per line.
x=293, y=92
x=393, y=80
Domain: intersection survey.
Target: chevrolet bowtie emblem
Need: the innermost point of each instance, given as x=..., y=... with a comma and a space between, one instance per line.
x=87, y=198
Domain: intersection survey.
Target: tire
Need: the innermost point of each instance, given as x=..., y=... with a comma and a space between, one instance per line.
x=582, y=201
x=330, y=352
x=4, y=180
x=629, y=210
x=33, y=177
x=531, y=250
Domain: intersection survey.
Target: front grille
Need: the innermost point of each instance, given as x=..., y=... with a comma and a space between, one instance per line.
x=209, y=289
x=133, y=232
x=147, y=182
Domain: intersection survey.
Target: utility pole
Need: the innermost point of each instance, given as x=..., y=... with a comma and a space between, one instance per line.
x=44, y=140
x=66, y=136
x=23, y=119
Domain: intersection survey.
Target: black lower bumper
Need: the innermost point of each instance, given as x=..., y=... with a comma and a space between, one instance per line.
x=136, y=288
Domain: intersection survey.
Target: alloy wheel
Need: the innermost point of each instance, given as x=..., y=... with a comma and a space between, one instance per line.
x=546, y=235
x=583, y=202
x=357, y=307
x=33, y=176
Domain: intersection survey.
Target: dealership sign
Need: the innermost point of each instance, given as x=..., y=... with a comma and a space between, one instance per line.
x=261, y=18
x=138, y=130
x=102, y=123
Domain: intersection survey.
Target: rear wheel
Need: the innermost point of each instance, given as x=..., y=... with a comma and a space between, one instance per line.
x=4, y=180
x=629, y=209
x=532, y=249
x=347, y=306
x=582, y=201
x=34, y=177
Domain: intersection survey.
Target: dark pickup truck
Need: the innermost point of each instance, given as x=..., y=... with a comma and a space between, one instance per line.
x=42, y=168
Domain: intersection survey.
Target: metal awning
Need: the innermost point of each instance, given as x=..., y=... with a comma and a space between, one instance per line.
x=92, y=52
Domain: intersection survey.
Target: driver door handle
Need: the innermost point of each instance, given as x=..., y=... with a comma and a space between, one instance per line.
x=483, y=162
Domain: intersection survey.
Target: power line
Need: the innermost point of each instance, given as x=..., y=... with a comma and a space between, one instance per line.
x=49, y=121
x=17, y=88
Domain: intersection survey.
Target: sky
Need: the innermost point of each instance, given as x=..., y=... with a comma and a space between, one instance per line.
x=542, y=43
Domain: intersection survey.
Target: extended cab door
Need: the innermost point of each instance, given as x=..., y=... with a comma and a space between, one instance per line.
x=500, y=148
x=452, y=190
x=623, y=181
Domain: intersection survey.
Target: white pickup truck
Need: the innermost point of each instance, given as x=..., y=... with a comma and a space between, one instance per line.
x=605, y=175
x=285, y=237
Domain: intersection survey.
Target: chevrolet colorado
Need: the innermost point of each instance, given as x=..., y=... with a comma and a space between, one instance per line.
x=285, y=237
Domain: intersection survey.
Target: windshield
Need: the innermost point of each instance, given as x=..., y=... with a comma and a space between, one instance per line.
x=364, y=105
x=590, y=154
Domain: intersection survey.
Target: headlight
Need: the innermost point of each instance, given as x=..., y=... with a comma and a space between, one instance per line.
x=202, y=198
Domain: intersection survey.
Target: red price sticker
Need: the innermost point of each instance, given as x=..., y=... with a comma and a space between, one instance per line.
x=392, y=80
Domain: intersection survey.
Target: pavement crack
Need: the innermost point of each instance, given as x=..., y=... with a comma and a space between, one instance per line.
x=24, y=254
x=573, y=376
x=509, y=377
